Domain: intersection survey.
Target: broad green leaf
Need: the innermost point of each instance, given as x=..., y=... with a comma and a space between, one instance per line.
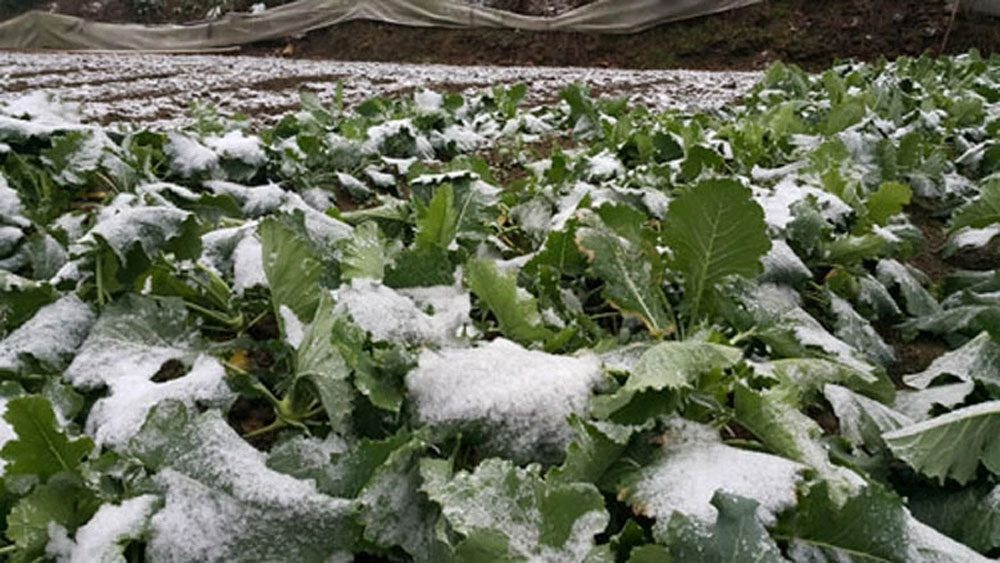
x=292, y=263
x=515, y=310
x=888, y=201
x=977, y=360
x=214, y=480
x=500, y=502
x=805, y=378
x=863, y=420
x=980, y=212
x=737, y=535
x=41, y=448
x=857, y=331
x=870, y=526
x=64, y=501
x=970, y=515
x=843, y=116
x=597, y=446
x=951, y=446
x=420, y=267
x=395, y=512
x=715, y=230
x=380, y=383
x=632, y=280
x=439, y=224
x=674, y=365
x=650, y=553
x=367, y=254
x=320, y=362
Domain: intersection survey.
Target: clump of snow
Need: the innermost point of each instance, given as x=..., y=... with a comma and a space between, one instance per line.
x=237, y=145
x=50, y=337
x=116, y=418
x=248, y=264
x=188, y=157
x=436, y=315
x=428, y=100
x=101, y=539
x=694, y=465
x=968, y=237
x=604, y=166
x=516, y=399
x=292, y=326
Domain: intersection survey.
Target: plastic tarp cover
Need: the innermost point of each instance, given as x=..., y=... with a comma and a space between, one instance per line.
x=990, y=7
x=41, y=30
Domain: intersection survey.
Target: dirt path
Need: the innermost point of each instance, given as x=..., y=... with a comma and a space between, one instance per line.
x=158, y=89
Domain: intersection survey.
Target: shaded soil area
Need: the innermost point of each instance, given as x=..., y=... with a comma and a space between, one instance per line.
x=810, y=33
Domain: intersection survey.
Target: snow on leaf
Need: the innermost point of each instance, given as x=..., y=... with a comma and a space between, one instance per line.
x=401, y=317
x=512, y=400
x=981, y=212
x=503, y=509
x=222, y=503
x=951, y=446
x=977, y=360
x=863, y=420
x=50, y=337
x=102, y=538
x=693, y=465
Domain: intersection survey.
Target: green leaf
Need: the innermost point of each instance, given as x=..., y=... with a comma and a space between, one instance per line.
x=970, y=515
x=539, y=520
x=632, y=276
x=367, y=254
x=597, y=446
x=320, y=362
x=736, y=537
x=980, y=212
x=420, y=267
x=715, y=230
x=292, y=263
x=64, y=500
x=439, y=224
x=870, y=526
x=674, y=365
x=41, y=448
x=952, y=445
x=516, y=312
x=888, y=201
x=843, y=116
x=650, y=553
x=806, y=377
x=862, y=420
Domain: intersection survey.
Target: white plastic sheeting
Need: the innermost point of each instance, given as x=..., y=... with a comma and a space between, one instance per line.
x=40, y=30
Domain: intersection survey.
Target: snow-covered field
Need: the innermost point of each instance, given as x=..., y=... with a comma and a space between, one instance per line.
x=158, y=89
